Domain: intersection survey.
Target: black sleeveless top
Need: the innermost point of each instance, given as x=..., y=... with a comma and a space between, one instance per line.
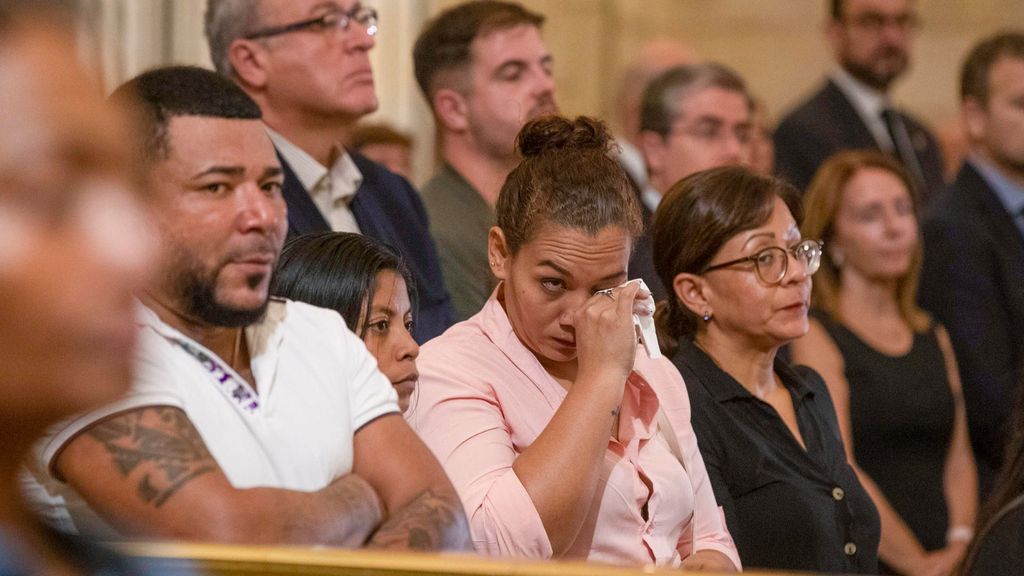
x=902, y=416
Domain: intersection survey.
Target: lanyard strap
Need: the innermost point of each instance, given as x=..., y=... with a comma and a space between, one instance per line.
x=230, y=385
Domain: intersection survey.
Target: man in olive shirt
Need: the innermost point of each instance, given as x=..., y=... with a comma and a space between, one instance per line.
x=485, y=72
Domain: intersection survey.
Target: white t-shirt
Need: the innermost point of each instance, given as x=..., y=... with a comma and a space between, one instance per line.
x=316, y=385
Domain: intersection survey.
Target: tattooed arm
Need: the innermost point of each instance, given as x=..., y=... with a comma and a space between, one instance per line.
x=148, y=472
x=423, y=510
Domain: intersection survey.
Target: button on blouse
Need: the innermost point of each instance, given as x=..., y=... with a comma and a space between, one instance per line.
x=787, y=507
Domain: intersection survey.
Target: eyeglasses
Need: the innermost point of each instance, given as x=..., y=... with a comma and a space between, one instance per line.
x=772, y=263
x=874, y=22
x=335, y=20
x=715, y=133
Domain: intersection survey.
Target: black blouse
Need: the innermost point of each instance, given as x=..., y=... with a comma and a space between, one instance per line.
x=786, y=507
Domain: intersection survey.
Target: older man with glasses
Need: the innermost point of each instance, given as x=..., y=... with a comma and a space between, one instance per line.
x=306, y=63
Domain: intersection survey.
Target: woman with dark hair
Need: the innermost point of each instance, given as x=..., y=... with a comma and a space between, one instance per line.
x=726, y=241
x=365, y=281
x=890, y=369
x=998, y=547
x=562, y=439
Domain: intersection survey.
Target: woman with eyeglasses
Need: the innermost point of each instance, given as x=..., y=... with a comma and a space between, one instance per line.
x=726, y=242
x=889, y=367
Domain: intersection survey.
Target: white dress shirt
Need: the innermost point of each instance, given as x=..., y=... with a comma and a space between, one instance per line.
x=332, y=189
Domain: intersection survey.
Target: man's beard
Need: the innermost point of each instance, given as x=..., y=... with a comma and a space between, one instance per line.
x=869, y=75
x=197, y=289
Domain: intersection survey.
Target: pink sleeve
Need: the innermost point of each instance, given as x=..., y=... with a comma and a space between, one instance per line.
x=463, y=424
x=708, y=531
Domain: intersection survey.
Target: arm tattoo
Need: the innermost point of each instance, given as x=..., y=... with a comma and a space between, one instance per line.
x=429, y=522
x=163, y=443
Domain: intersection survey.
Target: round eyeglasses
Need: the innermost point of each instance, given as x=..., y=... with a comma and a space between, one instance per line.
x=334, y=20
x=772, y=263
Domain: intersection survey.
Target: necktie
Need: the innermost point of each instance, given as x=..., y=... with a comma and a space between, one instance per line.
x=904, y=150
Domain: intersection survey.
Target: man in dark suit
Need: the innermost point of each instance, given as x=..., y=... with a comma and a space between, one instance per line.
x=973, y=278
x=692, y=118
x=306, y=63
x=871, y=42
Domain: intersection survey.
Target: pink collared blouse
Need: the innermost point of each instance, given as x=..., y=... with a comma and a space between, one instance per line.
x=483, y=398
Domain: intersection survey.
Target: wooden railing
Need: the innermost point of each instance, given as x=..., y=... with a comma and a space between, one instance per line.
x=222, y=560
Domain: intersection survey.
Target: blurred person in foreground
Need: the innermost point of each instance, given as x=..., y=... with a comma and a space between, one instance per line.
x=998, y=547
x=726, y=240
x=564, y=439
x=972, y=279
x=368, y=283
x=889, y=366
x=74, y=243
x=484, y=70
x=250, y=419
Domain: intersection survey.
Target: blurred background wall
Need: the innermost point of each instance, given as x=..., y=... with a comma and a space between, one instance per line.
x=777, y=45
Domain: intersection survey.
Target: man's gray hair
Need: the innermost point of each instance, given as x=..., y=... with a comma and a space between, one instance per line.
x=660, y=106
x=225, y=22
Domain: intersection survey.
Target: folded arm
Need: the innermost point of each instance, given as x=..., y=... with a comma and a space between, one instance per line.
x=423, y=510
x=148, y=472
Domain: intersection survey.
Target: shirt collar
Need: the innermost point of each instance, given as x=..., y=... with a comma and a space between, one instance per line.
x=344, y=173
x=868, y=101
x=724, y=387
x=1009, y=192
x=263, y=337
x=650, y=197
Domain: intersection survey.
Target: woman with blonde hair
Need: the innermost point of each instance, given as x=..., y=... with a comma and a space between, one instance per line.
x=889, y=367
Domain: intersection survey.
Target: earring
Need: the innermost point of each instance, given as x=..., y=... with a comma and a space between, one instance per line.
x=707, y=316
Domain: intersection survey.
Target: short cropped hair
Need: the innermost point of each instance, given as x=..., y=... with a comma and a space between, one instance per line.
x=224, y=22
x=164, y=93
x=443, y=46
x=974, y=76
x=660, y=108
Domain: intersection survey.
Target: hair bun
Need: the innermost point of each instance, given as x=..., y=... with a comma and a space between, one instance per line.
x=551, y=133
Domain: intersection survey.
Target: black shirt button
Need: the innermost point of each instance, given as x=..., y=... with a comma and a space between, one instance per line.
x=838, y=493
x=850, y=548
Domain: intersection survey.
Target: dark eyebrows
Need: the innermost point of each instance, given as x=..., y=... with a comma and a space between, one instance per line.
x=238, y=172
x=759, y=235
x=556, y=267
x=271, y=172
x=567, y=274
x=234, y=171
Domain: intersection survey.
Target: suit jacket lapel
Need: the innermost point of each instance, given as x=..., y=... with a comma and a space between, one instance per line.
x=303, y=215
x=847, y=119
x=1001, y=223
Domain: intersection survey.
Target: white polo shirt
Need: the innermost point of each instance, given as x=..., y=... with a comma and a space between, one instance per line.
x=316, y=385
